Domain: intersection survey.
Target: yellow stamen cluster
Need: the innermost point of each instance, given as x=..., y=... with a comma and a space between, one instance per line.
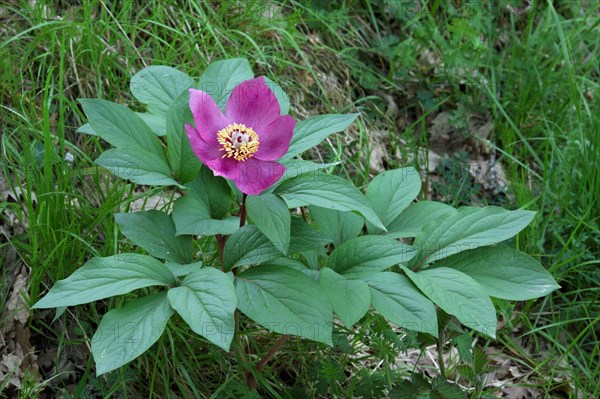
x=239, y=141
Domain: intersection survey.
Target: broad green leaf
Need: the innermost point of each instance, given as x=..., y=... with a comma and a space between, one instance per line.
x=459, y=295
x=121, y=127
x=397, y=299
x=272, y=217
x=213, y=191
x=154, y=231
x=156, y=123
x=206, y=301
x=101, y=278
x=203, y=210
x=392, y=191
x=192, y=217
x=127, y=332
x=179, y=270
x=158, y=86
x=337, y=225
x=305, y=238
x=249, y=246
x=86, y=129
x=326, y=191
x=285, y=301
x=182, y=159
x=469, y=228
x=366, y=255
x=310, y=132
x=296, y=167
x=282, y=98
x=414, y=218
x=138, y=166
x=351, y=299
x=311, y=256
x=296, y=265
x=221, y=77
x=503, y=272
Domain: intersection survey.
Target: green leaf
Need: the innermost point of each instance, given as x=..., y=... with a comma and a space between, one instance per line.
x=503, y=272
x=179, y=270
x=397, y=299
x=138, y=166
x=86, y=129
x=297, y=167
x=305, y=238
x=154, y=231
x=158, y=86
x=121, y=127
x=296, y=265
x=469, y=228
x=192, y=217
x=213, y=191
x=369, y=254
x=272, y=217
x=351, y=299
x=459, y=295
x=202, y=211
x=464, y=346
x=392, y=191
x=285, y=301
x=156, y=123
x=416, y=388
x=310, y=132
x=221, y=77
x=282, y=98
x=126, y=333
x=443, y=389
x=337, y=225
x=249, y=246
x=414, y=218
x=182, y=159
x=206, y=301
x=326, y=191
x=101, y=278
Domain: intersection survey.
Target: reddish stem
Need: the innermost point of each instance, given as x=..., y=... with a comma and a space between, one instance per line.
x=251, y=381
x=243, y=211
x=221, y=242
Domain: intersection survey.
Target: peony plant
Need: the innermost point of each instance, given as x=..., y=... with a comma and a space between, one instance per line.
x=228, y=144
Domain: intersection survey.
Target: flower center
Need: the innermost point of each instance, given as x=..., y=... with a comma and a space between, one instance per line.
x=238, y=141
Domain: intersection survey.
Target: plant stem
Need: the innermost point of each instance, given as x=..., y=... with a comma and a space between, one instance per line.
x=241, y=354
x=440, y=351
x=243, y=211
x=221, y=242
x=303, y=211
x=251, y=381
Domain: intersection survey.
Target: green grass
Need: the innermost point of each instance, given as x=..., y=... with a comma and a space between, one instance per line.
x=534, y=75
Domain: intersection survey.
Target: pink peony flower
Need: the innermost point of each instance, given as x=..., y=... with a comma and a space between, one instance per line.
x=243, y=144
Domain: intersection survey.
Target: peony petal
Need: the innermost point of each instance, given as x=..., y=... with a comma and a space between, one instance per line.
x=274, y=140
x=253, y=104
x=255, y=176
x=204, y=151
x=226, y=167
x=207, y=115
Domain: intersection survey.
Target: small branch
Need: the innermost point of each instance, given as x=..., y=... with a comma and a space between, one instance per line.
x=251, y=381
x=303, y=211
x=442, y=322
x=243, y=211
x=221, y=242
x=238, y=341
x=263, y=362
x=440, y=351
